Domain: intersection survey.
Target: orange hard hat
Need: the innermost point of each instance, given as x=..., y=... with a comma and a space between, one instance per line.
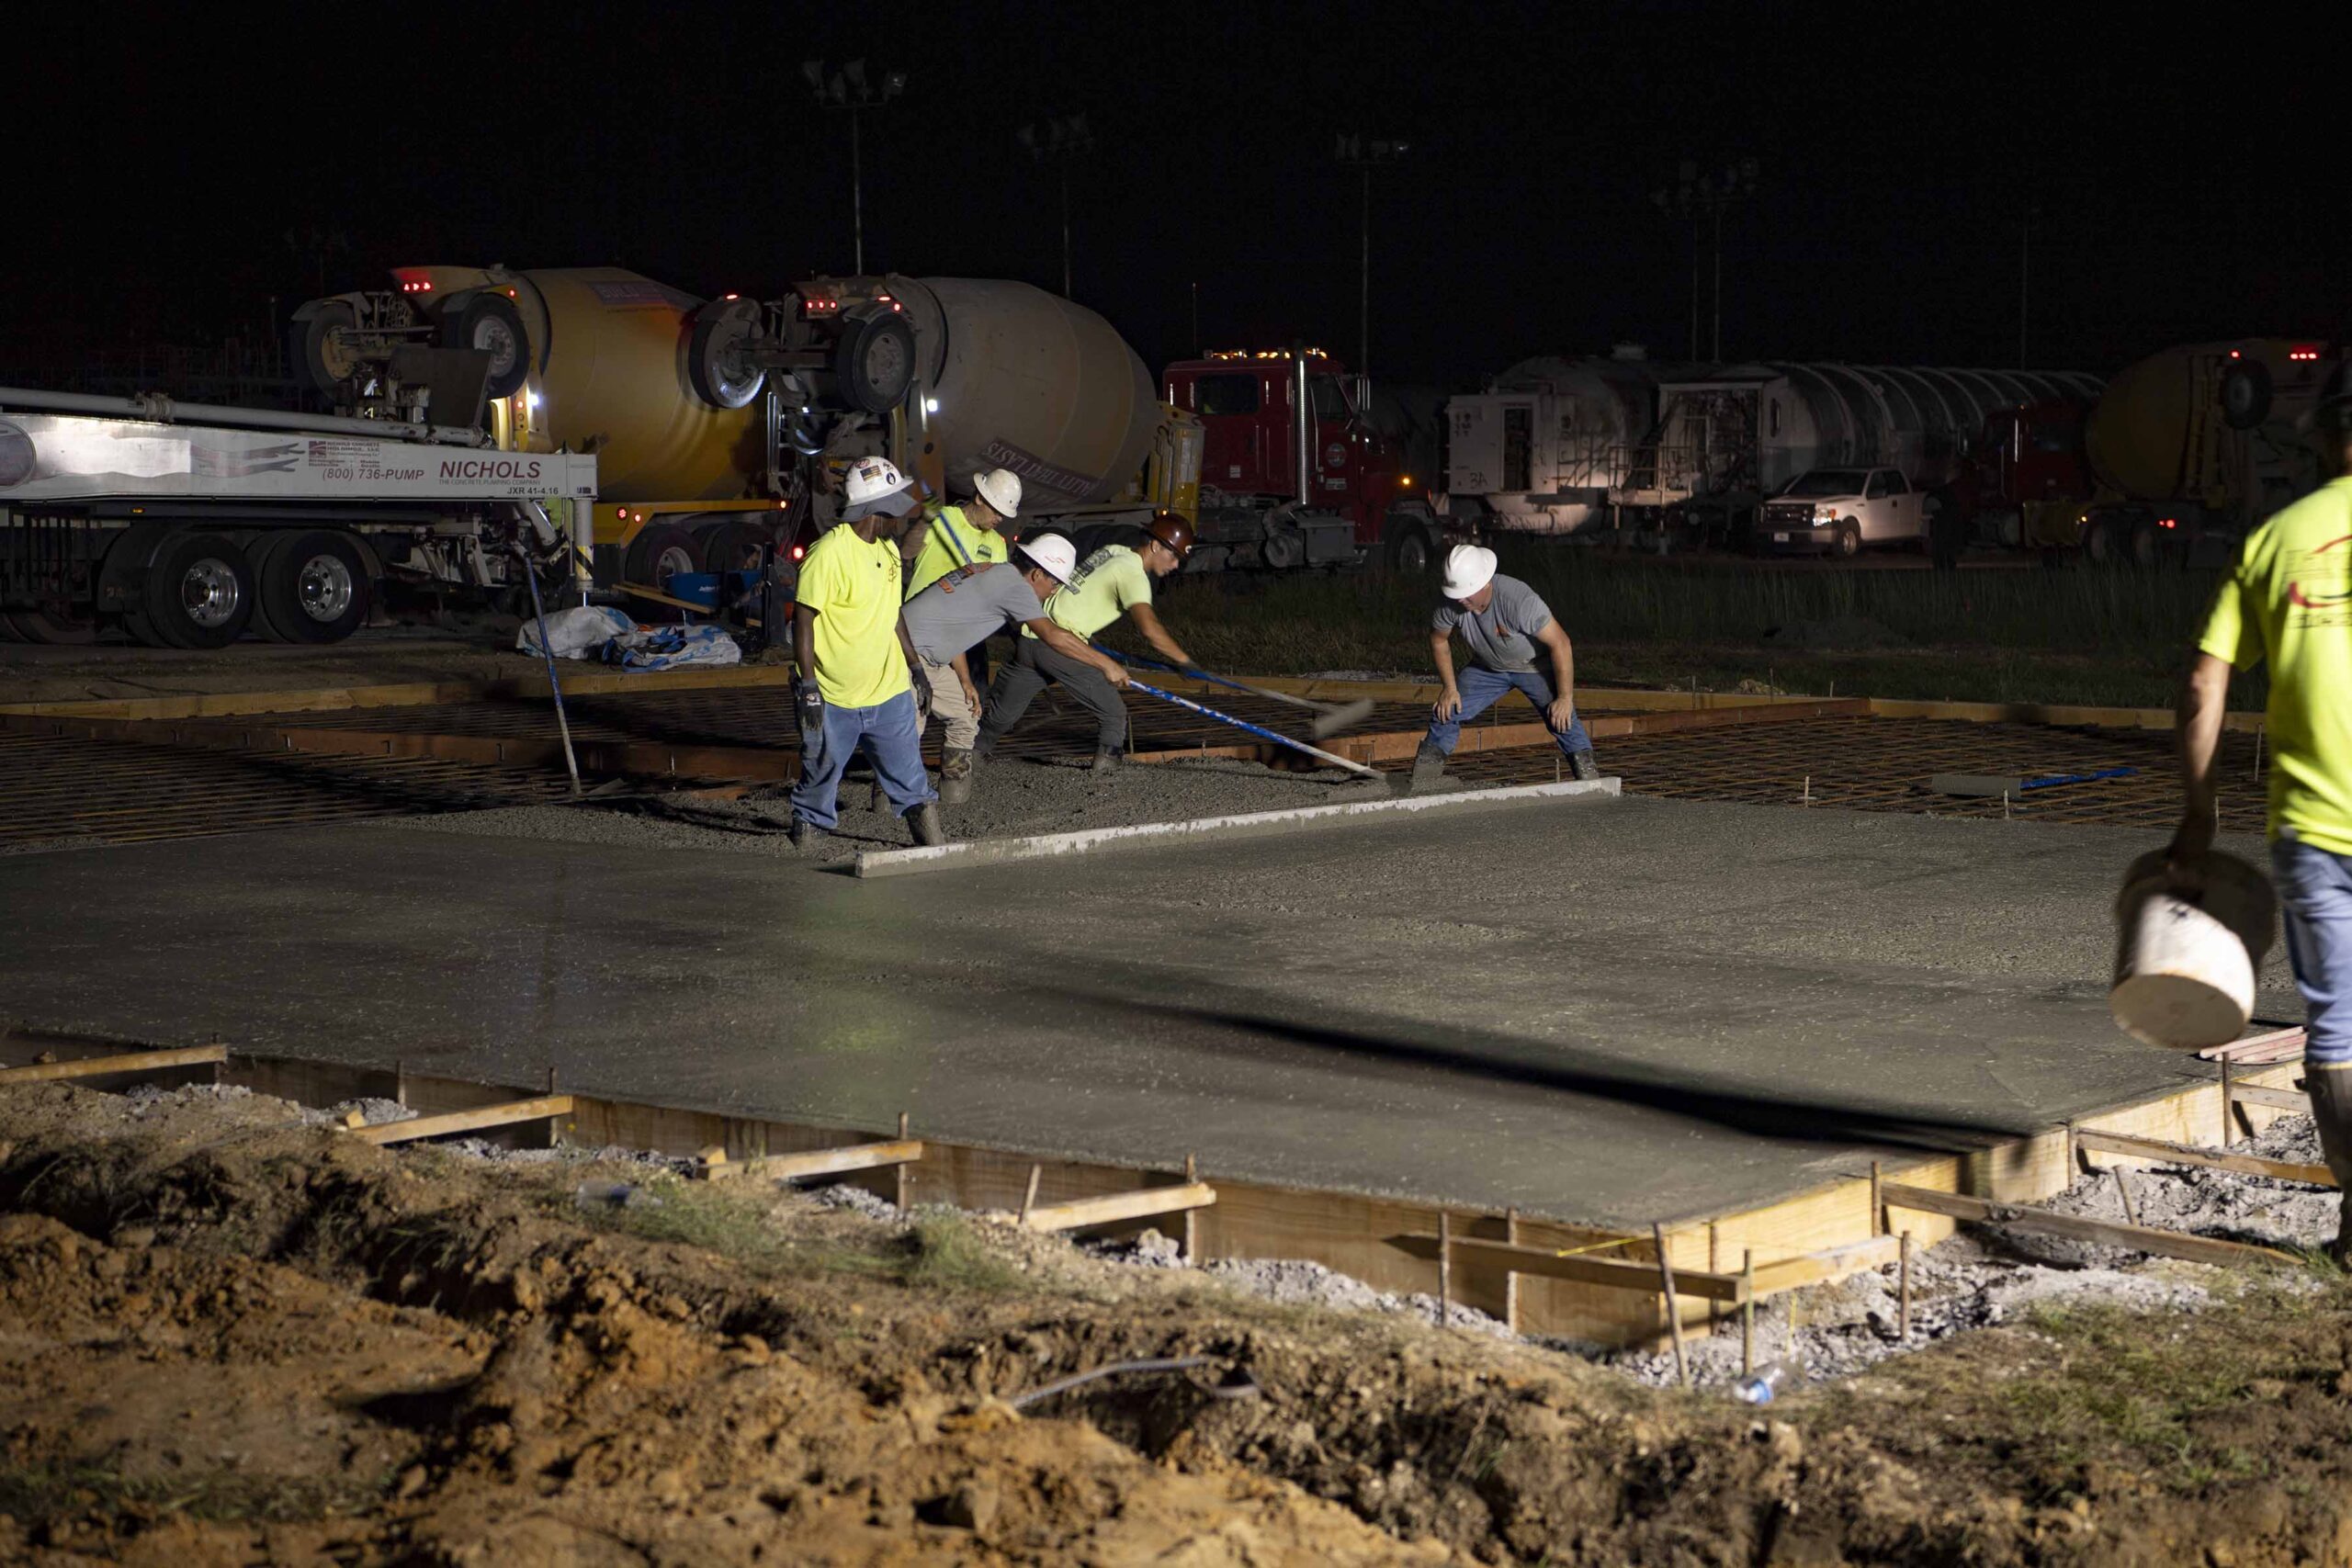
x=1174, y=530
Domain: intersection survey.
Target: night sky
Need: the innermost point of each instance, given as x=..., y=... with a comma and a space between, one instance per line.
x=2184, y=186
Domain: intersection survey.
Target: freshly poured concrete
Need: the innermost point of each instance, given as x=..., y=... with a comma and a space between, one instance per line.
x=1609, y=1012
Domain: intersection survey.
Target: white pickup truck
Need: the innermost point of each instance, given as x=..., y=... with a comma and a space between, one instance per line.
x=1841, y=510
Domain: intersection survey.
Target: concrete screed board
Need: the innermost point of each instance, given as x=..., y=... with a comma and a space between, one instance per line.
x=1602, y=1011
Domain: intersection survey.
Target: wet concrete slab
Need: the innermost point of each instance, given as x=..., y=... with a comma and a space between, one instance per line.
x=1604, y=1011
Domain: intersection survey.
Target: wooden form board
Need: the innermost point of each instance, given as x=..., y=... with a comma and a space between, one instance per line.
x=480, y=1118
x=529, y=685
x=1114, y=1208
x=116, y=1062
x=2042, y=1221
x=839, y=1161
x=2156, y=1151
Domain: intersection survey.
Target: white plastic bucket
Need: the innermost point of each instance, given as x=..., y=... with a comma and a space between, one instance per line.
x=2185, y=963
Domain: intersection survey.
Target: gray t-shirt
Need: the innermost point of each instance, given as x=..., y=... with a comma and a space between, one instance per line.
x=943, y=623
x=1501, y=635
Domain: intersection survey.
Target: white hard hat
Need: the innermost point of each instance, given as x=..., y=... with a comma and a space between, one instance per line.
x=876, y=485
x=1000, y=488
x=1055, y=554
x=1468, y=568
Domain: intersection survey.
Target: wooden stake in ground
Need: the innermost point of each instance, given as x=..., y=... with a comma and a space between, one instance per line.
x=2123, y=1189
x=1444, y=1267
x=1747, y=1314
x=899, y=1172
x=1673, y=1313
x=1029, y=1199
x=1878, y=1204
x=1903, y=1273
x=1192, y=1239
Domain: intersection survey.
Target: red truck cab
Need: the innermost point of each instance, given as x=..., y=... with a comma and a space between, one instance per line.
x=2022, y=484
x=1293, y=471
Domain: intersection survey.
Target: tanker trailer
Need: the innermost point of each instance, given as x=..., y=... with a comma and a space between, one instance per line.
x=1539, y=449
x=2196, y=445
x=1727, y=440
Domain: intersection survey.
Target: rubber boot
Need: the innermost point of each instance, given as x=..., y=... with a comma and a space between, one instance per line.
x=1429, y=767
x=922, y=821
x=954, y=777
x=2331, y=1092
x=1104, y=762
x=1581, y=765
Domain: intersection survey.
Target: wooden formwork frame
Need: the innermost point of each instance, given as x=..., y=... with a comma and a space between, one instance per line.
x=1539, y=1275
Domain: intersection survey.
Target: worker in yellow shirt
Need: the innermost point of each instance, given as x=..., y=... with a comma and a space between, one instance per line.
x=1113, y=581
x=2288, y=603
x=963, y=535
x=857, y=670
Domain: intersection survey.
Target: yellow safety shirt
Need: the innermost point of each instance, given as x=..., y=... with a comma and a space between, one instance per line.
x=853, y=588
x=2290, y=601
x=1099, y=592
x=939, y=557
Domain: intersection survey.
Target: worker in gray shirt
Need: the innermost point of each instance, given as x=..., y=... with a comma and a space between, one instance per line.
x=1506, y=623
x=963, y=610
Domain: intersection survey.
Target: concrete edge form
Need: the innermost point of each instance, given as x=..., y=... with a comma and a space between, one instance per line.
x=1805, y=1238
x=1049, y=846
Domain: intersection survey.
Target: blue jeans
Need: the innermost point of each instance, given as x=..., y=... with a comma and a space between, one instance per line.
x=1481, y=686
x=2315, y=893
x=891, y=736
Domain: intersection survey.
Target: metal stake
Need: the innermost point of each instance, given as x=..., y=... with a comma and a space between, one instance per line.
x=900, y=1169
x=2226, y=1102
x=1192, y=1216
x=1673, y=1312
x=555, y=686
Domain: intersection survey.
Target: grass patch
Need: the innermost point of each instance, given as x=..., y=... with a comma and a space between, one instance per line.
x=940, y=1251
x=947, y=1252
x=38, y=1492
x=2073, y=634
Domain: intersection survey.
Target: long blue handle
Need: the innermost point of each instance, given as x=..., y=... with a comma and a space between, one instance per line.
x=2050, y=781
x=939, y=521
x=1196, y=674
x=1279, y=738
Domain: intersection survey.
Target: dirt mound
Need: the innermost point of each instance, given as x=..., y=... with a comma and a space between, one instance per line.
x=232, y=1336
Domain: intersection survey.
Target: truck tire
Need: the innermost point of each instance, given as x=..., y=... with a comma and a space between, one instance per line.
x=875, y=361
x=1848, y=541
x=2246, y=394
x=722, y=328
x=659, y=551
x=310, y=587
x=328, y=367
x=1282, y=550
x=200, y=592
x=51, y=631
x=488, y=321
x=1410, y=549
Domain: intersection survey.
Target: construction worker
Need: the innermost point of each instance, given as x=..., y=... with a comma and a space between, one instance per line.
x=858, y=672
x=1504, y=622
x=1115, y=580
x=2289, y=602
x=959, y=612
x=965, y=535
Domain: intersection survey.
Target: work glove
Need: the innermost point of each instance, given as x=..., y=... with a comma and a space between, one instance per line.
x=922, y=692
x=811, y=704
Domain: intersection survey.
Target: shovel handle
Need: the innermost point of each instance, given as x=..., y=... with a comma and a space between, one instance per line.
x=1207, y=712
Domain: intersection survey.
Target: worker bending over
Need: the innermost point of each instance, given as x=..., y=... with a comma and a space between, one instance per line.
x=2289, y=602
x=963, y=535
x=1504, y=622
x=855, y=691
x=959, y=612
x=1112, y=581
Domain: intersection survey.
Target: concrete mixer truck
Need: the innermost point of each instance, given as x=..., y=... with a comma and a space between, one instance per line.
x=720, y=425
x=2182, y=456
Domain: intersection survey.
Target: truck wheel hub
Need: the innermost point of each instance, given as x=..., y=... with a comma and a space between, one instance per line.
x=324, y=587
x=209, y=593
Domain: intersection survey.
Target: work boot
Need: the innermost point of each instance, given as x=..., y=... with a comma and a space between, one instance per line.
x=1104, y=762
x=2331, y=1092
x=1429, y=767
x=1582, y=766
x=922, y=821
x=954, y=777
x=876, y=800
x=799, y=832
